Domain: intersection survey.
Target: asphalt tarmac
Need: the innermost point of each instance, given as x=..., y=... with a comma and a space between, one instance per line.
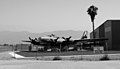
x=36, y=64
x=8, y=62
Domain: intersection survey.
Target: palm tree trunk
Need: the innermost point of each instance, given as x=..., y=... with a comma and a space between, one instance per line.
x=93, y=33
x=93, y=30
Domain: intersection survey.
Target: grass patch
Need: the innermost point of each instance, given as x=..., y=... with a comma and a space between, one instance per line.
x=104, y=58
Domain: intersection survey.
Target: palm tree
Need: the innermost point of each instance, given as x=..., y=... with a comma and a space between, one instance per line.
x=92, y=11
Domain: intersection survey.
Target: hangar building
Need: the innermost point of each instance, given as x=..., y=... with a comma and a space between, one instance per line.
x=109, y=29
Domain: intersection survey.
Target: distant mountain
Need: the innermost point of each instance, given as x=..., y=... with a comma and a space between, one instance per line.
x=16, y=37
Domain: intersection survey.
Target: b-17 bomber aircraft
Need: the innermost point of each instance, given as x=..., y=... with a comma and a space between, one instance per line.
x=54, y=42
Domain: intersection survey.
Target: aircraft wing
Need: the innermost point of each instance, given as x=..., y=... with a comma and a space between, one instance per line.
x=36, y=43
x=91, y=40
x=25, y=41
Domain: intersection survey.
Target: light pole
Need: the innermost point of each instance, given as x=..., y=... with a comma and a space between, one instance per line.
x=92, y=11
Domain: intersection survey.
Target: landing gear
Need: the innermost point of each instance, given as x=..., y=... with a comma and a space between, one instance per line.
x=30, y=48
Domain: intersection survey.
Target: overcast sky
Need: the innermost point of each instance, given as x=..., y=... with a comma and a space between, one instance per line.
x=52, y=15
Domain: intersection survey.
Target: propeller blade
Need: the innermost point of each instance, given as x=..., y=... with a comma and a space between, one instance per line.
x=35, y=39
x=70, y=37
x=63, y=37
x=30, y=38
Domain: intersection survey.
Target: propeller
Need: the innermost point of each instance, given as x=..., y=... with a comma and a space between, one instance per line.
x=53, y=35
x=56, y=39
x=67, y=39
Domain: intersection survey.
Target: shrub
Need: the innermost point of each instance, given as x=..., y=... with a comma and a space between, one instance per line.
x=104, y=58
x=57, y=58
